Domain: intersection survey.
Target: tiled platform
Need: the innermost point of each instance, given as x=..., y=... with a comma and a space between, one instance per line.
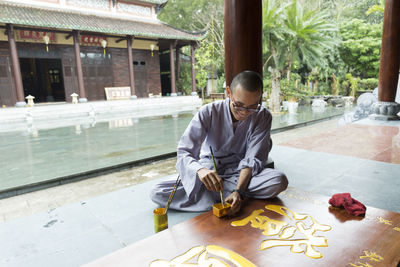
x=81, y=232
x=328, y=162
x=374, y=142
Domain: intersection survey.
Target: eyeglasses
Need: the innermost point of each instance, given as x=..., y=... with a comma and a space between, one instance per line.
x=241, y=108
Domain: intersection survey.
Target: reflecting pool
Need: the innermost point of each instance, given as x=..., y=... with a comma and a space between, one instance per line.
x=34, y=156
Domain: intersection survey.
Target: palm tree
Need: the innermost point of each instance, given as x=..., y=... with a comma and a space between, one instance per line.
x=292, y=34
x=310, y=34
x=274, y=35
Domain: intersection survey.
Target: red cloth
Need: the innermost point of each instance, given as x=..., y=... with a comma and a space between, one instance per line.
x=351, y=205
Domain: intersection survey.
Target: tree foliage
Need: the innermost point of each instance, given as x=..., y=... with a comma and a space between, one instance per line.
x=360, y=48
x=376, y=8
x=312, y=40
x=201, y=15
x=292, y=34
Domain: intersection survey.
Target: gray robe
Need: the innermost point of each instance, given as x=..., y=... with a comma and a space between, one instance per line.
x=234, y=149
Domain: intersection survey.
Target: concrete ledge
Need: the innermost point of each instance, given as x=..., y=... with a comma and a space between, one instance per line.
x=19, y=190
x=67, y=114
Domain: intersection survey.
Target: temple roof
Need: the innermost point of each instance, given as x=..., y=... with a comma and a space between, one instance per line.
x=159, y=2
x=23, y=15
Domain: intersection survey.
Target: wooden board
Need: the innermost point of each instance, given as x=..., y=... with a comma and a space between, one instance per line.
x=117, y=93
x=296, y=221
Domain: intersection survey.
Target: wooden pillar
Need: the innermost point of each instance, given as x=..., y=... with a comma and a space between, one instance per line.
x=390, y=52
x=15, y=66
x=386, y=107
x=79, y=73
x=243, y=37
x=178, y=64
x=172, y=69
x=129, y=40
x=192, y=61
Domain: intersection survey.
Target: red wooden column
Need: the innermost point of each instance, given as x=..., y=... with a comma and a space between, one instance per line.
x=79, y=73
x=178, y=64
x=243, y=37
x=129, y=40
x=172, y=69
x=386, y=108
x=192, y=61
x=16, y=68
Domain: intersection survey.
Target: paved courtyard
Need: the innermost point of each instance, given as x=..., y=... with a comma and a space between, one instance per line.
x=76, y=223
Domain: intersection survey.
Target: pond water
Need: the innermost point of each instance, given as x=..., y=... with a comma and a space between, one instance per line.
x=43, y=155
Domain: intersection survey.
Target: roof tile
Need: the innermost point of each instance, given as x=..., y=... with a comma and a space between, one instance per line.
x=62, y=19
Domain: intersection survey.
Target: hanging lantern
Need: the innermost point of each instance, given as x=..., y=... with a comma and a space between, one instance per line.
x=152, y=46
x=46, y=40
x=104, y=45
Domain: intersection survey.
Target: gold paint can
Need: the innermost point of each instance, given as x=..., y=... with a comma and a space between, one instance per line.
x=220, y=210
x=160, y=220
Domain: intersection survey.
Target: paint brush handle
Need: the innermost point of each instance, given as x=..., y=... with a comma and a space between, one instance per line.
x=171, y=196
x=215, y=168
x=213, y=159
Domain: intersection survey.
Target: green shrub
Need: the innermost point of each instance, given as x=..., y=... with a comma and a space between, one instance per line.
x=220, y=83
x=353, y=82
x=184, y=84
x=324, y=89
x=345, y=88
x=368, y=84
x=289, y=88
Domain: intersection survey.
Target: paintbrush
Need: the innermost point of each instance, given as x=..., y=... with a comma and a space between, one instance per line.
x=215, y=168
x=171, y=196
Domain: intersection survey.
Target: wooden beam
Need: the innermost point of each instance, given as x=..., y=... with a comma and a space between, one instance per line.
x=40, y=29
x=121, y=39
x=69, y=33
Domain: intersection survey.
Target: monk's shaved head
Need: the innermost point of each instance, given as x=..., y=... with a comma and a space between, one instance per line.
x=249, y=80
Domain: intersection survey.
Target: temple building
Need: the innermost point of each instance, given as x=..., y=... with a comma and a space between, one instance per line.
x=51, y=49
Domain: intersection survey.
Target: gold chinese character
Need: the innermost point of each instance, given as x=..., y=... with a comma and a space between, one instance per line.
x=397, y=229
x=361, y=264
x=371, y=256
x=203, y=258
x=274, y=227
x=310, y=242
x=384, y=221
x=270, y=226
x=281, y=210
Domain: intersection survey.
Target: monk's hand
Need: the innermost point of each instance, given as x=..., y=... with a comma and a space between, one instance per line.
x=210, y=179
x=235, y=201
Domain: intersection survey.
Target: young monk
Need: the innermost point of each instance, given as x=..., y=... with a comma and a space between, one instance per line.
x=238, y=130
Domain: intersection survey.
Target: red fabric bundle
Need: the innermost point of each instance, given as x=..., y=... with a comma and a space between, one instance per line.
x=351, y=205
